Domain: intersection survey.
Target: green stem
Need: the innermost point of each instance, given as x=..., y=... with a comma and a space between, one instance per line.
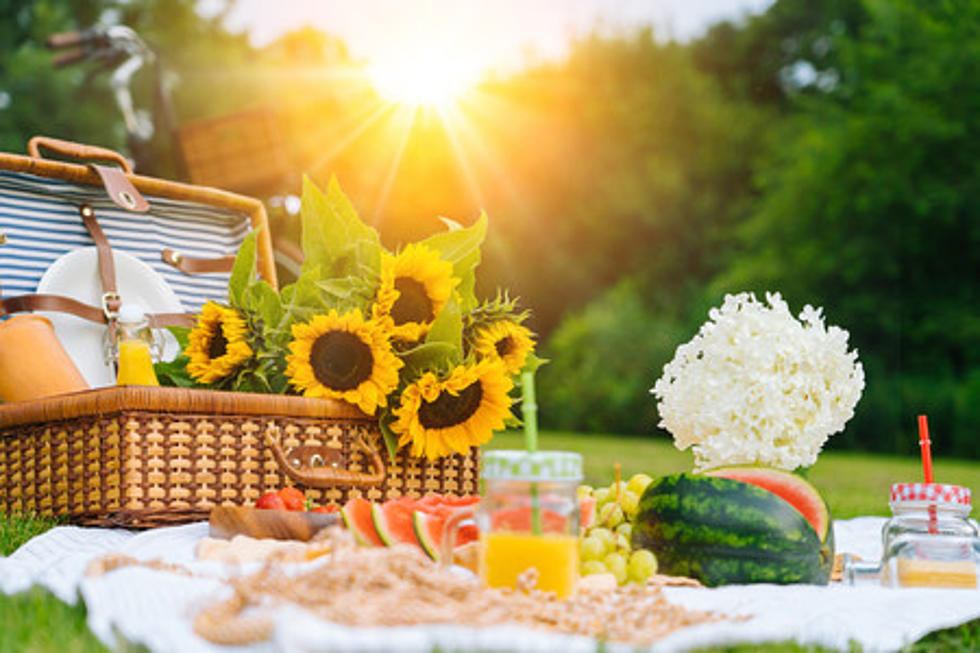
x=529, y=410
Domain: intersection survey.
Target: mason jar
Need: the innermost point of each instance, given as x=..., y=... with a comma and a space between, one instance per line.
x=528, y=520
x=930, y=541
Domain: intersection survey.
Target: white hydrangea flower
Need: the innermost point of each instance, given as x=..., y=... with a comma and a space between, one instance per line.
x=757, y=386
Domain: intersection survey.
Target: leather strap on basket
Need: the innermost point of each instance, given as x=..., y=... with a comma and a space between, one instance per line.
x=193, y=265
x=111, y=301
x=329, y=475
x=107, y=264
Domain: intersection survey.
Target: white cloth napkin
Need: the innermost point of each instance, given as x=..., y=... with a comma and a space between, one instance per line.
x=156, y=608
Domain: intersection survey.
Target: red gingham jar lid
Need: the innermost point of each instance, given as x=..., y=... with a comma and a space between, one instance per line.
x=931, y=493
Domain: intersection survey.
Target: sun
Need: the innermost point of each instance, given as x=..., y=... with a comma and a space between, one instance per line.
x=422, y=80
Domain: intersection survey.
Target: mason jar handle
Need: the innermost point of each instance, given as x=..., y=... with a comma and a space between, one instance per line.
x=859, y=572
x=453, y=523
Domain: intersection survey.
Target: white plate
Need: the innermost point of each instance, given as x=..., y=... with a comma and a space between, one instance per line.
x=76, y=275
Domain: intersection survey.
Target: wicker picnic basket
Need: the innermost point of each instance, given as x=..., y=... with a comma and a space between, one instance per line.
x=142, y=457
x=146, y=456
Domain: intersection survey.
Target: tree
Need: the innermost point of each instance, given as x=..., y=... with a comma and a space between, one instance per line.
x=870, y=208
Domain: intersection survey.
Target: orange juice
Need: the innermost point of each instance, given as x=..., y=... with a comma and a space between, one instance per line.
x=506, y=555
x=936, y=573
x=135, y=364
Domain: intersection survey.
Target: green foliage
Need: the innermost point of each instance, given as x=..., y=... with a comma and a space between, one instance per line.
x=603, y=360
x=461, y=247
x=335, y=240
x=869, y=208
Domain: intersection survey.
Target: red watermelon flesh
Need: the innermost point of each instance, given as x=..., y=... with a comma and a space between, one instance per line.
x=393, y=521
x=357, y=518
x=792, y=488
x=429, y=529
x=519, y=519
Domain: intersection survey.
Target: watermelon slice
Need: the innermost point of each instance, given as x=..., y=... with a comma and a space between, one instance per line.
x=429, y=528
x=357, y=518
x=393, y=521
x=428, y=531
x=792, y=488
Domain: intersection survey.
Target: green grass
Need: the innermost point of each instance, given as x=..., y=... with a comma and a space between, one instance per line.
x=853, y=484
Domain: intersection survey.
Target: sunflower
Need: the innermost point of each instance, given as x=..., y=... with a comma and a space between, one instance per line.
x=441, y=417
x=415, y=285
x=505, y=341
x=343, y=357
x=216, y=344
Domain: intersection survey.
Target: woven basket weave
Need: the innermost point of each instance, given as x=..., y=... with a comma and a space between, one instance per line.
x=143, y=457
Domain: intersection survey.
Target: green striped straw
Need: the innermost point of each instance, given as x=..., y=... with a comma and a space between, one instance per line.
x=529, y=409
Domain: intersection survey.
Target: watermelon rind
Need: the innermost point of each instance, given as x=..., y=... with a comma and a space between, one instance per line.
x=721, y=531
x=792, y=488
x=357, y=518
x=431, y=542
x=393, y=521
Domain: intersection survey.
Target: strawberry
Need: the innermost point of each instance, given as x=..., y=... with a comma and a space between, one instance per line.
x=271, y=501
x=293, y=498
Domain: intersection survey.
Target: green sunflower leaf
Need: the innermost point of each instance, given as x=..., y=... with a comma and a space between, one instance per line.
x=430, y=356
x=348, y=293
x=390, y=438
x=243, y=271
x=448, y=327
x=262, y=300
x=334, y=237
x=302, y=299
x=461, y=247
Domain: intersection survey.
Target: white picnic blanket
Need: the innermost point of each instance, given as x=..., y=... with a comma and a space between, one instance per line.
x=155, y=608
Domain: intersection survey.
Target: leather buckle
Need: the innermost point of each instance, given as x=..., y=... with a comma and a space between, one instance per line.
x=110, y=297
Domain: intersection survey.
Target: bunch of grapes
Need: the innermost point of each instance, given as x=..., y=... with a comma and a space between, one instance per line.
x=605, y=547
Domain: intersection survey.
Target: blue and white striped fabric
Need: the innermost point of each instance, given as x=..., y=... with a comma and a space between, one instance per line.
x=40, y=219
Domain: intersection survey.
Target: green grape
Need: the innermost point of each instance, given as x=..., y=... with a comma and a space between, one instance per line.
x=584, y=491
x=617, y=566
x=602, y=497
x=591, y=548
x=590, y=567
x=638, y=484
x=630, y=503
x=606, y=536
x=642, y=565
x=611, y=515
x=625, y=529
x=622, y=543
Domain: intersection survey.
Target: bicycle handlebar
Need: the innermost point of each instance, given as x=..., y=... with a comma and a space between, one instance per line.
x=68, y=58
x=66, y=40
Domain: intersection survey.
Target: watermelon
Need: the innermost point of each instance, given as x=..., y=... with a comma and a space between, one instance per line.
x=393, y=521
x=357, y=518
x=791, y=487
x=723, y=531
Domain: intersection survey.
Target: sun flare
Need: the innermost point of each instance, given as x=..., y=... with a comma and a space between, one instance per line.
x=420, y=81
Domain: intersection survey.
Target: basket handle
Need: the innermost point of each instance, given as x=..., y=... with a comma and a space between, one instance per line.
x=329, y=476
x=76, y=150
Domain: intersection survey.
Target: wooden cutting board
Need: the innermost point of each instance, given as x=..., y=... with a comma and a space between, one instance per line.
x=229, y=521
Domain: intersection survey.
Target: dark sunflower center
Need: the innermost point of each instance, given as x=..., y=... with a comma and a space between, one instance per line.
x=218, y=346
x=504, y=346
x=413, y=303
x=340, y=360
x=449, y=410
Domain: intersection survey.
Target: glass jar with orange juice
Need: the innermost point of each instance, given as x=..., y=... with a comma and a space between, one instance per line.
x=135, y=347
x=528, y=518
